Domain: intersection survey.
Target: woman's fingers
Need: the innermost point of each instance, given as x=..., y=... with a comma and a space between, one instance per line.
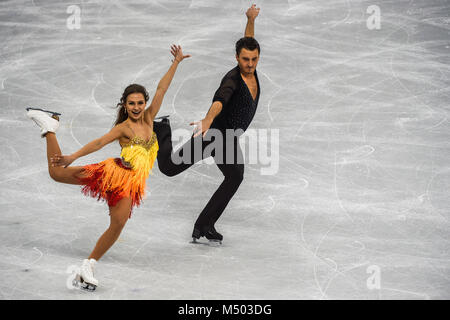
x=57, y=160
x=173, y=49
x=177, y=52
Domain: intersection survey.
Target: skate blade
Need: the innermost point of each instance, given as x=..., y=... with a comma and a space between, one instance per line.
x=79, y=283
x=55, y=115
x=215, y=243
x=88, y=287
x=162, y=117
x=211, y=243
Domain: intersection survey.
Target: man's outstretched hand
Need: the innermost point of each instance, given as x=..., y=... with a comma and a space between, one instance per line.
x=202, y=127
x=252, y=12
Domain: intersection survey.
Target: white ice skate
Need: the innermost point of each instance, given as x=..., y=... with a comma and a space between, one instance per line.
x=43, y=119
x=85, y=278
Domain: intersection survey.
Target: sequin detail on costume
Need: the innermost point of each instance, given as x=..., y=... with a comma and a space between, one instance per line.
x=111, y=180
x=140, y=154
x=147, y=144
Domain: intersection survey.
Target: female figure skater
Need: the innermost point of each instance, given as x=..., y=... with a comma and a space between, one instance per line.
x=119, y=181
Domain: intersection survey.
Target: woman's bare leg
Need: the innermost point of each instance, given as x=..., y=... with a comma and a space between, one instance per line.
x=69, y=175
x=119, y=215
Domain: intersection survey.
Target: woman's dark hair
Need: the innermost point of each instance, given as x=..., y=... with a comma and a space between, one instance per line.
x=248, y=43
x=132, y=88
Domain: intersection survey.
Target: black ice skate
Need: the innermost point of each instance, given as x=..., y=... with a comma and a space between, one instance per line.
x=164, y=119
x=209, y=233
x=162, y=128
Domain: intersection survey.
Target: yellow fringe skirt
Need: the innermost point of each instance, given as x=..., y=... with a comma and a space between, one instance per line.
x=111, y=180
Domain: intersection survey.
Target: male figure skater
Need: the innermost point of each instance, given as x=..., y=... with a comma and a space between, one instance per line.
x=234, y=105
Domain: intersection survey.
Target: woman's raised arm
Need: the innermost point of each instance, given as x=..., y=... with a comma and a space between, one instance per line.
x=164, y=83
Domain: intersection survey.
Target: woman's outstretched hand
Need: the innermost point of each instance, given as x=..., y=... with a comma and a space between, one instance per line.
x=61, y=161
x=178, y=53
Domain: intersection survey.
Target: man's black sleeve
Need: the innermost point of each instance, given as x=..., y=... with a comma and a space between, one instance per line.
x=227, y=87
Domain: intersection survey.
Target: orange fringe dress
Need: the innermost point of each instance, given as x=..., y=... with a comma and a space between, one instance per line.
x=117, y=178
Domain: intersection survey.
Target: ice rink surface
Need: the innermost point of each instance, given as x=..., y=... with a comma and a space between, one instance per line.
x=359, y=206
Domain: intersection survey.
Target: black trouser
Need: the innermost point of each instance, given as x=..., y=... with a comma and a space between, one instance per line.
x=233, y=170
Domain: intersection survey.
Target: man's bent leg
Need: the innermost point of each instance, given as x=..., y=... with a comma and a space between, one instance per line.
x=165, y=154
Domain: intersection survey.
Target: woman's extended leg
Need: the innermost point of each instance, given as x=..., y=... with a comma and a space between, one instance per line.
x=119, y=215
x=49, y=125
x=69, y=175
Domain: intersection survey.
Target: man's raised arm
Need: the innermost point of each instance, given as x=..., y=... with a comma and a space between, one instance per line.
x=251, y=13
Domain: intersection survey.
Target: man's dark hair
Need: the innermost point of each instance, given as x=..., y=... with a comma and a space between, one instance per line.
x=248, y=43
